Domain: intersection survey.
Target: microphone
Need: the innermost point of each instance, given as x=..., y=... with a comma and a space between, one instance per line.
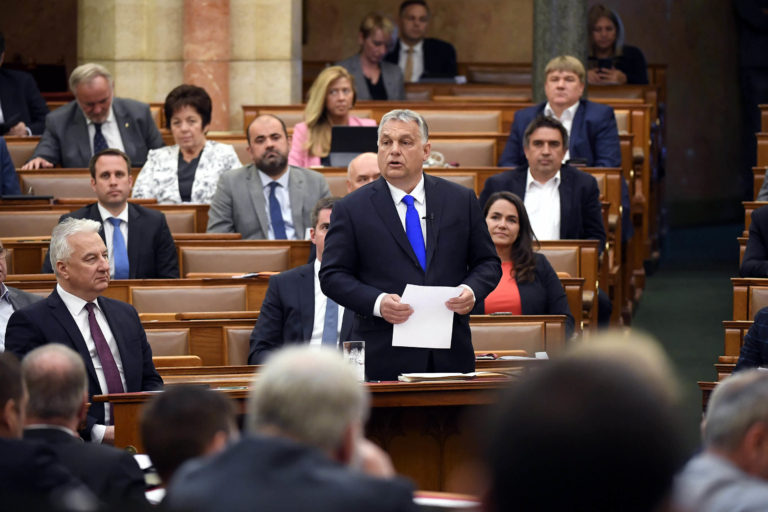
x=431, y=218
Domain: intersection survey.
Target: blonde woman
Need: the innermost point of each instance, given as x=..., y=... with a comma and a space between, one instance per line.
x=331, y=98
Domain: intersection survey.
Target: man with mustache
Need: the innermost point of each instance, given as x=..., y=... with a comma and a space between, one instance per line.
x=268, y=199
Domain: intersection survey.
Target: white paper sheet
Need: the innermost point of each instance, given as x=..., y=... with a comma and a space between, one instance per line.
x=431, y=324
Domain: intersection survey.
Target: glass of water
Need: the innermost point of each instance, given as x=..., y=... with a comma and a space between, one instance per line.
x=354, y=352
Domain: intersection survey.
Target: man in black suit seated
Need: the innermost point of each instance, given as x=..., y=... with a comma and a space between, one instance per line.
x=57, y=384
x=417, y=55
x=755, y=262
x=563, y=202
x=22, y=107
x=107, y=333
x=295, y=309
x=150, y=252
x=96, y=120
x=305, y=449
x=11, y=299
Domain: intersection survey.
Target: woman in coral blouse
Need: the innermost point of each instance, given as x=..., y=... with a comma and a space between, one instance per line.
x=331, y=98
x=529, y=285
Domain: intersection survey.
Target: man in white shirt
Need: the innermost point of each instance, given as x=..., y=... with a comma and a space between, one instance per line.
x=107, y=333
x=295, y=310
x=11, y=299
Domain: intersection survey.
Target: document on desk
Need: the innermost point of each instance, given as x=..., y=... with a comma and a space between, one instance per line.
x=431, y=324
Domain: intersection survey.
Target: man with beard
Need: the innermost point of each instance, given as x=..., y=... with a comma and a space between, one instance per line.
x=268, y=199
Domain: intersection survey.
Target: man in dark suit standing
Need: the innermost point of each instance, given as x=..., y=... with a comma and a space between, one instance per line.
x=107, y=333
x=138, y=239
x=407, y=228
x=755, y=262
x=295, y=309
x=96, y=120
x=22, y=107
x=417, y=55
x=11, y=299
x=57, y=384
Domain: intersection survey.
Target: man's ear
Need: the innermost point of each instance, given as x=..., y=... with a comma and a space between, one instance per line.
x=61, y=269
x=427, y=151
x=93, y=184
x=82, y=412
x=312, y=234
x=346, y=451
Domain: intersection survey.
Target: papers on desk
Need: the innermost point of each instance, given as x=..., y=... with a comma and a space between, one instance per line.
x=449, y=377
x=431, y=324
x=539, y=355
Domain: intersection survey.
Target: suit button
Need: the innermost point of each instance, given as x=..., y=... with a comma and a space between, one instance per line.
x=418, y=265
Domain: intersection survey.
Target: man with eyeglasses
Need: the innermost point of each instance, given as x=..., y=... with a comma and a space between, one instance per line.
x=11, y=299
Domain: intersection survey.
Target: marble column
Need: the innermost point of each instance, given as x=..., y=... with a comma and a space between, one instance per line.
x=206, y=54
x=559, y=28
x=265, y=55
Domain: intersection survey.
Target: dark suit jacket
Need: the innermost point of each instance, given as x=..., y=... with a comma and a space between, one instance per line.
x=21, y=299
x=49, y=321
x=288, y=313
x=9, y=180
x=367, y=253
x=65, y=140
x=151, y=250
x=581, y=216
x=439, y=58
x=543, y=296
x=754, y=351
x=271, y=473
x=112, y=475
x=21, y=100
x=755, y=262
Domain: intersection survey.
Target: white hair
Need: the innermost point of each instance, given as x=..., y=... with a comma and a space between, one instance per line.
x=60, y=250
x=309, y=395
x=56, y=381
x=88, y=72
x=406, y=116
x=735, y=406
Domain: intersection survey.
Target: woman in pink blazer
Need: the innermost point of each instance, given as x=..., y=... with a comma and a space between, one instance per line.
x=331, y=98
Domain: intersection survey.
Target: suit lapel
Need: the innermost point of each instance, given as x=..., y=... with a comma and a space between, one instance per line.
x=134, y=240
x=80, y=133
x=435, y=195
x=566, y=197
x=306, y=285
x=382, y=201
x=577, y=131
x=256, y=190
x=62, y=315
x=519, y=178
x=93, y=214
x=296, y=193
x=123, y=124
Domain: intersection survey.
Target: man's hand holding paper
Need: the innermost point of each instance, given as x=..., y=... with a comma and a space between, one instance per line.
x=431, y=322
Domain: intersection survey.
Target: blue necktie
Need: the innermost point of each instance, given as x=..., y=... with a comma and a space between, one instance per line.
x=119, y=252
x=99, y=142
x=331, y=325
x=413, y=231
x=276, y=214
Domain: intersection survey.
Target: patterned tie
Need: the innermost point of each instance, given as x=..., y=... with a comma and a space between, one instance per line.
x=413, y=231
x=276, y=214
x=408, y=65
x=108, y=364
x=119, y=251
x=331, y=325
x=99, y=142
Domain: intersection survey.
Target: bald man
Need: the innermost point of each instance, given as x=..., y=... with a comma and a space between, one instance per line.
x=362, y=170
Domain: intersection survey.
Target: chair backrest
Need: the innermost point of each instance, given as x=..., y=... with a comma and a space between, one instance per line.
x=181, y=221
x=337, y=183
x=467, y=153
x=238, y=342
x=418, y=95
x=500, y=76
x=466, y=180
x=9, y=261
x=600, y=178
x=240, y=260
x=58, y=185
x=563, y=260
x=21, y=150
x=21, y=224
x=463, y=121
x=622, y=120
x=758, y=299
x=176, y=361
x=185, y=299
x=530, y=337
x=168, y=342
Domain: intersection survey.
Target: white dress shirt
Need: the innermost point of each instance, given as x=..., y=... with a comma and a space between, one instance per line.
x=566, y=120
x=417, y=60
x=284, y=198
x=109, y=232
x=6, y=310
x=109, y=129
x=320, y=303
x=76, y=307
x=542, y=201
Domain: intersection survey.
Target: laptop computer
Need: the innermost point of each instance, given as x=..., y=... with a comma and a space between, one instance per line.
x=349, y=141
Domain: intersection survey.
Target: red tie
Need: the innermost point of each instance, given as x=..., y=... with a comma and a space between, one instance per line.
x=108, y=364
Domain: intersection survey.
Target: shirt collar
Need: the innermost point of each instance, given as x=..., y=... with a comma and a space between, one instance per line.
x=4, y=293
x=282, y=180
x=317, y=267
x=417, y=193
x=123, y=215
x=110, y=117
x=74, y=304
x=529, y=180
x=416, y=48
x=568, y=114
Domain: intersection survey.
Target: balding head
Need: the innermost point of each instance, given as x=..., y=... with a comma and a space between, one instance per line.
x=362, y=170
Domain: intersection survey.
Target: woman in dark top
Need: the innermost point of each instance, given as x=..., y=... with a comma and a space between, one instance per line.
x=530, y=285
x=610, y=60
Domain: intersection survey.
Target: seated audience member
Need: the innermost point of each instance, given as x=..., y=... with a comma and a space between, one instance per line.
x=57, y=384
x=754, y=351
x=268, y=199
x=305, y=416
x=610, y=60
x=107, y=333
x=138, y=239
x=563, y=203
x=375, y=78
x=417, y=55
x=9, y=179
x=530, y=285
x=331, y=98
x=731, y=472
x=584, y=433
x=185, y=422
x=362, y=170
x=22, y=107
x=11, y=299
x=755, y=262
x=188, y=171
x=96, y=120
x=295, y=309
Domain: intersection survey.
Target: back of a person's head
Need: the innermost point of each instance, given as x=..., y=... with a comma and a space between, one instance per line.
x=736, y=405
x=181, y=423
x=311, y=396
x=11, y=396
x=582, y=435
x=56, y=380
